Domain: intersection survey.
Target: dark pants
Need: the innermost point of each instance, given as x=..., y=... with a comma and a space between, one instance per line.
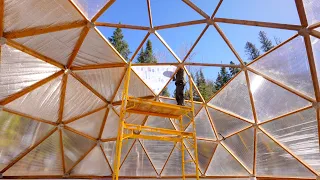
x=179, y=93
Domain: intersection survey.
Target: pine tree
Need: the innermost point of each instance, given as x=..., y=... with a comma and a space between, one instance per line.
x=222, y=79
x=149, y=57
x=266, y=43
x=141, y=58
x=165, y=92
x=119, y=43
x=233, y=71
x=251, y=51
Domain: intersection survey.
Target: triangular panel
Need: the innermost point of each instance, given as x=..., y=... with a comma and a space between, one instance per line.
x=45, y=159
x=90, y=8
x=271, y=100
x=35, y=13
x=90, y=124
x=156, y=77
x=158, y=152
x=272, y=160
x=205, y=151
x=289, y=65
x=110, y=129
x=20, y=70
x=135, y=82
x=128, y=15
x=17, y=134
x=229, y=100
x=110, y=150
x=95, y=49
x=173, y=166
x=79, y=100
x=299, y=133
x=45, y=101
x=242, y=145
x=104, y=81
x=224, y=164
x=315, y=42
x=312, y=8
x=212, y=49
x=93, y=164
x=226, y=124
x=56, y=45
x=137, y=163
x=204, y=127
x=158, y=122
x=171, y=15
x=74, y=147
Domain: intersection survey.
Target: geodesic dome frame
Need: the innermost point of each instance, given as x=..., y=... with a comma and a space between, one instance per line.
x=61, y=81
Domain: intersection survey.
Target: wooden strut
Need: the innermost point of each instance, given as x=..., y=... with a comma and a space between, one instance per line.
x=167, y=46
x=85, y=84
x=105, y=157
x=78, y=9
x=282, y=85
x=197, y=9
x=315, y=33
x=30, y=88
x=102, y=10
x=122, y=26
x=62, y=151
x=149, y=14
x=34, y=53
x=27, y=151
x=211, y=122
x=77, y=46
x=62, y=97
x=79, y=133
x=180, y=24
x=255, y=148
x=144, y=150
x=251, y=97
x=103, y=123
x=28, y=116
x=43, y=30
x=83, y=115
x=288, y=151
x=1, y=18
x=258, y=23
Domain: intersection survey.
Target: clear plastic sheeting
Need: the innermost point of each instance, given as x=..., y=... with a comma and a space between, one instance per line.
x=17, y=134
x=137, y=119
x=22, y=14
x=90, y=124
x=158, y=152
x=204, y=128
x=205, y=152
x=74, y=147
x=272, y=160
x=299, y=133
x=173, y=166
x=96, y=50
x=289, y=65
x=135, y=82
x=20, y=70
x=110, y=150
x=105, y=81
x=224, y=164
x=226, y=124
x=137, y=163
x=158, y=122
x=312, y=8
x=90, y=8
x=56, y=45
x=79, y=99
x=111, y=127
x=45, y=101
x=94, y=163
x=242, y=145
x=45, y=159
x=235, y=98
x=315, y=42
x=156, y=77
x=271, y=100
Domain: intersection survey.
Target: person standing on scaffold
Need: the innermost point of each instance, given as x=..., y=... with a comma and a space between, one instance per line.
x=180, y=83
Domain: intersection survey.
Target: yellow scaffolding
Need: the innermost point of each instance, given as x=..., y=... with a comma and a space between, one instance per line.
x=149, y=107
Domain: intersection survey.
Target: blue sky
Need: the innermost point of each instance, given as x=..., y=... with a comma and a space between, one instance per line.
x=211, y=48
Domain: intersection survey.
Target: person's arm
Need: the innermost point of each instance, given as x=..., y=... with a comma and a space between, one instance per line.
x=174, y=78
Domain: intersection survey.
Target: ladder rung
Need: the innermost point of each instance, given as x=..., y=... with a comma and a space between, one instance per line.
x=190, y=161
